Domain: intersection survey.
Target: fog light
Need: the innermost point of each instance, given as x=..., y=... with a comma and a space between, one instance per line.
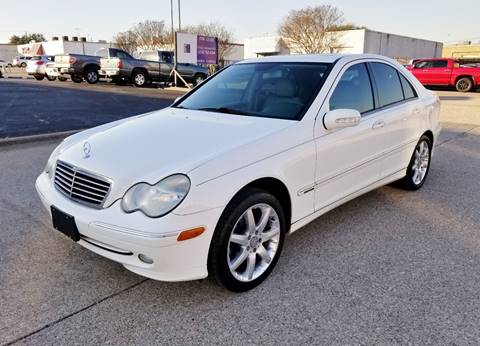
x=145, y=259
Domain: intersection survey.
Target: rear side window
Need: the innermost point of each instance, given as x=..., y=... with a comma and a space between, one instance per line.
x=354, y=90
x=440, y=63
x=408, y=89
x=388, y=83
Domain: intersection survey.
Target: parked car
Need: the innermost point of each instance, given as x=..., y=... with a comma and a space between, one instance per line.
x=212, y=184
x=446, y=72
x=51, y=72
x=21, y=61
x=150, y=66
x=37, y=64
x=79, y=66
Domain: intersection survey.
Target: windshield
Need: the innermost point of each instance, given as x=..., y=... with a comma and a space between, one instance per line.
x=281, y=90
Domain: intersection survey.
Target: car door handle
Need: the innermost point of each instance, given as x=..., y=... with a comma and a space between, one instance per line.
x=378, y=124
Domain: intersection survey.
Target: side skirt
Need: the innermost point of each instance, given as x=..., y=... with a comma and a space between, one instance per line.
x=384, y=181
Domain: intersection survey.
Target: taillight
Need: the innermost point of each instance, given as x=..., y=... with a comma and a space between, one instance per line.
x=39, y=62
x=72, y=60
x=120, y=64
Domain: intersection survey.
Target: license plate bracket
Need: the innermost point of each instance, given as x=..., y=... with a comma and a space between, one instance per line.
x=65, y=223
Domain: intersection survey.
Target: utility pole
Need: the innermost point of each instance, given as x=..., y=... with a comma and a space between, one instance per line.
x=179, y=19
x=171, y=19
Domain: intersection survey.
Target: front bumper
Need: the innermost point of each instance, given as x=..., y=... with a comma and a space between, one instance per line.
x=122, y=237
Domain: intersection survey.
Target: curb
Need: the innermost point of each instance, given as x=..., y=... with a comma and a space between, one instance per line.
x=34, y=138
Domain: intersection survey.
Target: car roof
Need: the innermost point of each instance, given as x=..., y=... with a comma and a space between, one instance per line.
x=318, y=58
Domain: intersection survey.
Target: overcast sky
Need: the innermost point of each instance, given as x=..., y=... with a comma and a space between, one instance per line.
x=438, y=20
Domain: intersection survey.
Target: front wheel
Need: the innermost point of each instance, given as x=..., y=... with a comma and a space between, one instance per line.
x=464, y=85
x=77, y=78
x=419, y=165
x=247, y=241
x=51, y=78
x=198, y=79
x=39, y=77
x=62, y=79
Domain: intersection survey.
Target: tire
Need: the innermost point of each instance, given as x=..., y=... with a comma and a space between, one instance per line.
x=229, y=260
x=77, y=78
x=464, y=84
x=139, y=78
x=198, y=79
x=62, y=79
x=119, y=81
x=39, y=77
x=91, y=75
x=23, y=64
x=50, y=78
x=412, y=181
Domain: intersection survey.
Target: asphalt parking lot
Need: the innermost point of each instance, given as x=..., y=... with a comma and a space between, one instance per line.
x=391, y=267
x=31, y=107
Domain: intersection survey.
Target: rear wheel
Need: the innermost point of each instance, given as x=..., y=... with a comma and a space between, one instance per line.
x=247, y=241
x=23, y=64
x=39, y=76
x=464, y=84
x=51, y=78
x=62, y=79
x=419, y=166
x=77, y=78
x=91, y=75
x=139, y=78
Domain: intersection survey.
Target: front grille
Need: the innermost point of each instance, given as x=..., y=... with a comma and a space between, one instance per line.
x=81, y=186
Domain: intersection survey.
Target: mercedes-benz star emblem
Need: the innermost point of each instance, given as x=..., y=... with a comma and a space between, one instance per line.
x=86, y=150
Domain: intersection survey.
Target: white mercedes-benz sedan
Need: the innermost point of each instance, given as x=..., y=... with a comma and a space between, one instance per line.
x=212, y=184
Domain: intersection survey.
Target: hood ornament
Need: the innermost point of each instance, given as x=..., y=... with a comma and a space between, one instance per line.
x=87, y=148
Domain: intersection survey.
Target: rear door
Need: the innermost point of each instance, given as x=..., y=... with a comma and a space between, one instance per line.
x=441, y=72
x=400, y=110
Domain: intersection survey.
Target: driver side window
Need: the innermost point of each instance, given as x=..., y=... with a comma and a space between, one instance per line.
x=354, y=90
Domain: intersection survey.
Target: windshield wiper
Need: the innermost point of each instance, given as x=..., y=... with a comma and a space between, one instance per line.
x=224, y=110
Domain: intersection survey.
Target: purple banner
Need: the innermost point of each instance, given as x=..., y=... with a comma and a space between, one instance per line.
x=207, y=50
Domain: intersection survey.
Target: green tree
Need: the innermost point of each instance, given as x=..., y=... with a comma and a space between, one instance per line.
x=26, y=38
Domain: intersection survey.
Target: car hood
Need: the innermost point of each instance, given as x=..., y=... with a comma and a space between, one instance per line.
x=149, y=147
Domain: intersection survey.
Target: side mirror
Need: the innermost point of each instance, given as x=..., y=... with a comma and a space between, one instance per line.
x=340, y=118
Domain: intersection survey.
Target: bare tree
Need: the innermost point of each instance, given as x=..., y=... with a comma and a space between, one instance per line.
x=147, y=35
x=309, y=30
x=126, y=40
x=215, y=29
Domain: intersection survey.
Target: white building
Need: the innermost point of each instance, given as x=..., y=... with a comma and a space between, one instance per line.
x=8, y=51
x=63, y=46
x=359, y=41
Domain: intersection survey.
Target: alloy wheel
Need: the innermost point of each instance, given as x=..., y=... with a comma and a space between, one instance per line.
x=253, y=242
x=420, y=165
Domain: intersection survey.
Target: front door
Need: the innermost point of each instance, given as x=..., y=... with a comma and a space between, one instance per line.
x=348, y=159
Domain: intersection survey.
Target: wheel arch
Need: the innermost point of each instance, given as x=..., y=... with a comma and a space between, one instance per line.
x=464, y=76
x=89, y=65
x=275, y=187
x=430, y=136
x=139, y=69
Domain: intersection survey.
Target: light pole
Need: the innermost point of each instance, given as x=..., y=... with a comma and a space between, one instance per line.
x=179, y=19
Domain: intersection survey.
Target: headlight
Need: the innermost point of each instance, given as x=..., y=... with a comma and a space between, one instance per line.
x=159, y=199
x=49, y=167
